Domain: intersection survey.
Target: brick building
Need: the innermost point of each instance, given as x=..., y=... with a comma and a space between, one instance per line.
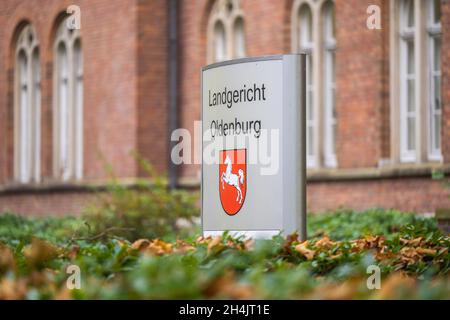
x=74, y=100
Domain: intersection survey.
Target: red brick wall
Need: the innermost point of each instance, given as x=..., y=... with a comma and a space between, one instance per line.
x=125, y=100
x=360, y=58
x=264, y=36
x=192, y=56
x=46, y=203
x=125, y=86
x=408, y=194
x=109, y=40
x=109, y=43
x=152, y=68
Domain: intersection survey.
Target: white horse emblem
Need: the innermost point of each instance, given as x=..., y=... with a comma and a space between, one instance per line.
x=233, y=179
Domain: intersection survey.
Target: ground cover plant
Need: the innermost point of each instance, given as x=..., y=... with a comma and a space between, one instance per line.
x=410, y=251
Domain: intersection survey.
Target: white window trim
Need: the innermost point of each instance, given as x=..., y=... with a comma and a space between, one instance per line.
x=307, y=46
x=421, y=63
x=27, y=151
x=37, y=96
x=320, y=158
x=407, y=35
x=434, y=30
x=74, y=168
x=78, y=103
x=229, y=18
x=311, y=159
x=330, y=98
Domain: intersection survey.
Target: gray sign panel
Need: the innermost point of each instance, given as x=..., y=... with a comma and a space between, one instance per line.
x=253, y=146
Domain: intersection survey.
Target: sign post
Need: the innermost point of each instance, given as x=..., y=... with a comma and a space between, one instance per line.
x=254, y=146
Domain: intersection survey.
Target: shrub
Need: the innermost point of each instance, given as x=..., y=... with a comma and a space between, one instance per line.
x=349, y=224
x=411, y=253
x=226, y=267
x=15, y=229
x=147, y=210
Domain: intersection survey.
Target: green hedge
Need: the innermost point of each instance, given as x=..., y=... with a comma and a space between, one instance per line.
x=411, y=253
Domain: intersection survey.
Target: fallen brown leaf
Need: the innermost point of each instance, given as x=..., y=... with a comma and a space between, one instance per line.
x=226, y=286
x=63, y=294
x=73, y=252
x=12, y=289
x=155, y=247
x=290, y=239
x=325, y=243
x=391, y=286
x=339, y=291
x=183, y=247
x=140, y=244
x=426, y=251
x=158, y=247
x=411, y=242
x=203, y=240
x=215, y=245
x=6, y=259
x=39, y=251
x=302, y=249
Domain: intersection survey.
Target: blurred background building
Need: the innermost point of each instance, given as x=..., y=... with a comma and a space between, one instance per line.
x=74, y=101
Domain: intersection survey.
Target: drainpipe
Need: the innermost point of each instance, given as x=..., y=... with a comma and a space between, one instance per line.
x=173, y=86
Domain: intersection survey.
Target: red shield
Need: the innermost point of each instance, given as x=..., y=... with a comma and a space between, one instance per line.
x=232, y=179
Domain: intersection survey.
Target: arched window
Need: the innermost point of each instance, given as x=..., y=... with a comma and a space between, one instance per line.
x=306, y=44
x=329, y=84
x=416, y=81
x=68, y=101
x=434, y=31
x=78, y=103
x=407, y=82
x=313, y=32
x=239, y=38
x=226, y=31
x=220, y=45
x=27, y=107
x=306, y=28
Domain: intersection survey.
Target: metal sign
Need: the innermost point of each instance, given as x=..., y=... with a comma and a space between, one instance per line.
x=253, y=146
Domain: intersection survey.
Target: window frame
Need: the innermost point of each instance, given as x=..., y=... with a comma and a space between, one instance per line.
x=423, y=85
x=329, y=86
x=70, y=169
x=407, y=36
x=228, y=13
x=321, y=158
x=78, y=102
x=27, y=114
x=219, y=39
x=306, y=28
x=433, y=32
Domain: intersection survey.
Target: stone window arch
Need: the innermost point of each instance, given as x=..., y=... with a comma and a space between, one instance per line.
x=313, y=32
x=407, y=81
x=329, y=83
x=68, y=103
x=415, y=81
x=434, y=45
x=27, y=107
x=226, y=31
